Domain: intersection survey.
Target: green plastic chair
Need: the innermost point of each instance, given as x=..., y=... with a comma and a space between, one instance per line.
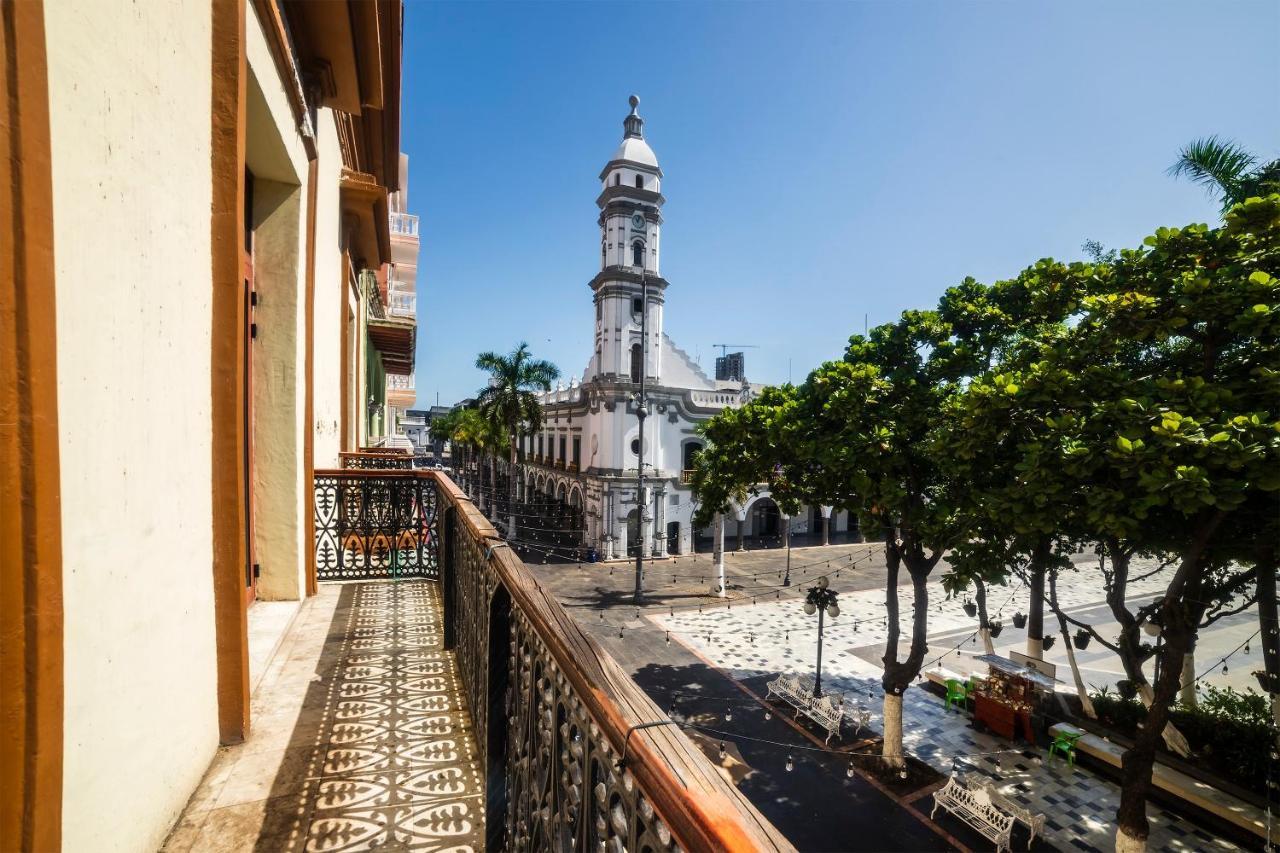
x=956, y=694
x=1065, y=743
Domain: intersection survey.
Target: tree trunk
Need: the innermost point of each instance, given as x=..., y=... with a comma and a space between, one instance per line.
x=1187, y=695
x=511, y=494
x=1086, y=704
x=899, y=675
x=1035, y=615
x=984, y=625
x=1137, y=761
x=1269, y=626
x=892, y=751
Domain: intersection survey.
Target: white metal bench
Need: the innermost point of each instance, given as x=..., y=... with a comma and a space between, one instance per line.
x=1033, y=822
x=975, y=808
x=827, y=711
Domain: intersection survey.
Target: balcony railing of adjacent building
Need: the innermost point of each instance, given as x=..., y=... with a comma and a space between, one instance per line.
x=404, y=224
x=556, y=720
x=400, y=382
x=686, y=476
x=401, y=302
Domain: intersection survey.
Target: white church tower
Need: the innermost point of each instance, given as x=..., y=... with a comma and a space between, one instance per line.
x=630, y=222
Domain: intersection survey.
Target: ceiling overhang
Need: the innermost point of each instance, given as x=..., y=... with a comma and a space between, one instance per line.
x=395, y=340
x=364, y=209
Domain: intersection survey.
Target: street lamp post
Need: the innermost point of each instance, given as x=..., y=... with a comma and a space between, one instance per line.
x=641, y=413
x=786, y=532
x=822, y=600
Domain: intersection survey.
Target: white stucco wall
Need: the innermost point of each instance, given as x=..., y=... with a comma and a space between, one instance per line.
x=129, y=108
x=330, y=297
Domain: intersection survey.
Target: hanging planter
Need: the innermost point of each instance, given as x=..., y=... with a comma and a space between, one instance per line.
x=1081, y=639
x=1268, y=683
x=1128, y=690
x=1019, y=620
x=970, y=609
x=1046, y=642
x=994, y=628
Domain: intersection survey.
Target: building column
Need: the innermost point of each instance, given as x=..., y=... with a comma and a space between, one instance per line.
x=742, y=529
x=717, y=553
x=826, y=525
x=660, y=522
x=645, y=516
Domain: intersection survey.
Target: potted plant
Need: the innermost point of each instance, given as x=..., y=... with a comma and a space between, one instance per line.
x=970, y=609
x=1081, y=639
x=1126, y=688
x=1268, y=682
x=1019, y=620
x=995, y=628
x=1046, y=642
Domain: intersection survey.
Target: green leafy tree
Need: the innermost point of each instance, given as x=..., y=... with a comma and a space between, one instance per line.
x=1227, y=170
x=1150, y=426
x=510, y=400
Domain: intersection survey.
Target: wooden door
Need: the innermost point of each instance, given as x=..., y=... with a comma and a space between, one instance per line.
x=250, y=297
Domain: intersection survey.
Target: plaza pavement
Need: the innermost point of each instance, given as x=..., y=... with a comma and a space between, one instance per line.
x=686, y=646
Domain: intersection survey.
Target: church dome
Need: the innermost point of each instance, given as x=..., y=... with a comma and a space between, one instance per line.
x=633, y=148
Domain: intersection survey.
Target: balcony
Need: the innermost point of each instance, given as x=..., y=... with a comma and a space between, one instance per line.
x=686, y=476
x=401, y=382
x=401, y=303
x=551, y=711
x=404, y=225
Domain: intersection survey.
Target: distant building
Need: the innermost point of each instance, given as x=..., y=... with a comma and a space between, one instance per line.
x=731, y=368
x=587, y=452
x=416, y=424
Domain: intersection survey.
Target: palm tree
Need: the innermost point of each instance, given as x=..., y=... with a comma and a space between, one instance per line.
x=1227, y=170
x=510, y=399
x=475, y=434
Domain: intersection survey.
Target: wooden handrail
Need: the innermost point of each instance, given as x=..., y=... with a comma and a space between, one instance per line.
x=702, y=810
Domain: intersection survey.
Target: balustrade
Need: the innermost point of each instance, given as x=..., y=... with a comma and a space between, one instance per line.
x=552, y=711
x=380, y=458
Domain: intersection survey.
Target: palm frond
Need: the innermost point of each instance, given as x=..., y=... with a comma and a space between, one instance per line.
x=1220, y=166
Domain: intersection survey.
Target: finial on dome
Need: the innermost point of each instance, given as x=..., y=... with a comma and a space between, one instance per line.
x=633, y=124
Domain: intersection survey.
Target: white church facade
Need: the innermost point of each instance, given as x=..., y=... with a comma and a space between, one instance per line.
x=589, y=448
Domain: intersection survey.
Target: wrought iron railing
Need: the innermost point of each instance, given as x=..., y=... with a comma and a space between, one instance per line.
x=375, y=525
x=378, y=458
x=552, y=711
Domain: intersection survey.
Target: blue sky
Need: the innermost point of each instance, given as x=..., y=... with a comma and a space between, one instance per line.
x=823, y=161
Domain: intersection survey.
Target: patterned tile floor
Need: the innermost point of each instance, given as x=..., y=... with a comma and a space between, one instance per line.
x=361, y=738
x=749, y=642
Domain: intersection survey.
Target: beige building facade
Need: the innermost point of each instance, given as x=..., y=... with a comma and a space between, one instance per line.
x=200, y=216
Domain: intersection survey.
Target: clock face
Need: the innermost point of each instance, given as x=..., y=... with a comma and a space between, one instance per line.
x=637, y=221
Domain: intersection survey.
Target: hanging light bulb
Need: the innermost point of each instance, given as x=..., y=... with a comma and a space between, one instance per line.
x=791, y=765
x=848, y=771
x=768, y=715
x=721, y=749
x=619, y=632
x=668, y=638
x=728, y=715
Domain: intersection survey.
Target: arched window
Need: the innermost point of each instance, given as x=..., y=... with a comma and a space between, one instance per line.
x=691, y=451
x=635, y=363
x=637, y=254
x=640, y=181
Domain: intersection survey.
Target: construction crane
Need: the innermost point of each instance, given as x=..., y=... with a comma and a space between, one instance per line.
x=725, y=347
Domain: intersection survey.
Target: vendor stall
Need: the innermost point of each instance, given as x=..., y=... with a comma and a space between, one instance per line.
x=1003, y=702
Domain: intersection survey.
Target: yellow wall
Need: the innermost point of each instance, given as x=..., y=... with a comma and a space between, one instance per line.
x=276, y=156
x=129, y=108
